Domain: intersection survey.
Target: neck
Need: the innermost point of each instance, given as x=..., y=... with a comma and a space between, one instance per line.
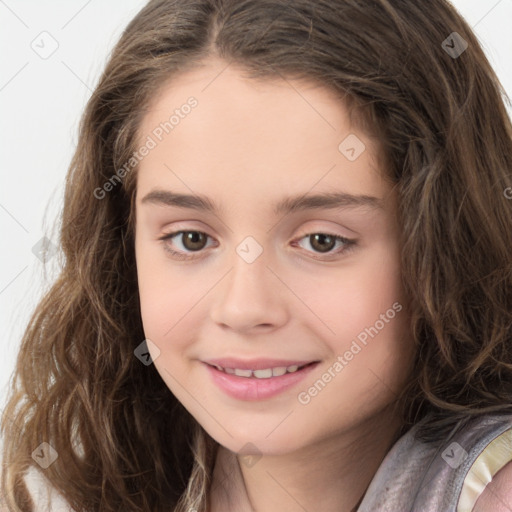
x=331, y=475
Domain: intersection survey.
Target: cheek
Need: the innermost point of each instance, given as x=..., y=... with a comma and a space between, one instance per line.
x=162, y=297
x=363, y=319
x=153, y=298
x=171, y=300
x=351, y=297
x=164, y=305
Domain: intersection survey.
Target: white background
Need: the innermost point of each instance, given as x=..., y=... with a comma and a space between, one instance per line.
x=41, y=101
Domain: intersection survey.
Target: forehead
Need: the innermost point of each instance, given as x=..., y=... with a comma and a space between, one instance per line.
x=278, y=134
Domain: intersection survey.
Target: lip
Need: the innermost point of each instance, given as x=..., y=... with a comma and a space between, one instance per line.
x=253, y=389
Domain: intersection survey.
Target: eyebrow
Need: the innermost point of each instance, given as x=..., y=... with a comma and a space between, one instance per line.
x=328, y=200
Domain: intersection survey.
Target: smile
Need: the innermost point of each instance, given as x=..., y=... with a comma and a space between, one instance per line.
x=253, y=384
x=265, y=373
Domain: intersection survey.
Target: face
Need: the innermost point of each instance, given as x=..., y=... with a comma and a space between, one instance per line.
x=272, y=296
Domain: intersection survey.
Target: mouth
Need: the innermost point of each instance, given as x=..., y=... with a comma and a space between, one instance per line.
x=257, y=380
x=262, y=373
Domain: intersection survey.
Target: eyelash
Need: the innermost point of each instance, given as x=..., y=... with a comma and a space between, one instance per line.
x=349, y=244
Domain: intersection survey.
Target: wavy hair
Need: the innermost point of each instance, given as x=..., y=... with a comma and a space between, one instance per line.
x=446, y=139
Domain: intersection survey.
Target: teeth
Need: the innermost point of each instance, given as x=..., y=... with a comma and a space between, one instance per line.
x=277, y=372
x=266, y=373
x=243, y=373
x=263, y=374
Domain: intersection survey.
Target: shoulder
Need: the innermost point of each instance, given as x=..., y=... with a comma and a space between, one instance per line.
x=497, y=495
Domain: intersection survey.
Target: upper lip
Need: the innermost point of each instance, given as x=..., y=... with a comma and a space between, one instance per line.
x=256, y=364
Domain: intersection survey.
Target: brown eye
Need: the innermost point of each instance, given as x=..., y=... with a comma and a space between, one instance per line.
x=193, y=240
x=182, y=244
x=322, y=242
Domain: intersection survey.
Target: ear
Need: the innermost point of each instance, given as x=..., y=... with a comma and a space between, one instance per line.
x=497, y=495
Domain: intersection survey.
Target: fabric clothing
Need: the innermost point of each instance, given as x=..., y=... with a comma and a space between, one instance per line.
x=444, y=476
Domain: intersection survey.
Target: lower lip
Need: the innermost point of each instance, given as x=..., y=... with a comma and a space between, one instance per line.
x=253, y=389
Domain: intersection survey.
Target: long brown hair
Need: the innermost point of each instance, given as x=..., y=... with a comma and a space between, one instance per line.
x=123, y=440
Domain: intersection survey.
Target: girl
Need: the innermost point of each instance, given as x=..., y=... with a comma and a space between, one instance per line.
x=288, y=271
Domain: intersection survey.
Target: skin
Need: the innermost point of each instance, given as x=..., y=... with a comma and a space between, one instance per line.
x=497, y=495
x=246, y=146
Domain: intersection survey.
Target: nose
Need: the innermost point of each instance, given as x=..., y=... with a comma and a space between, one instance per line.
x=250, y=297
